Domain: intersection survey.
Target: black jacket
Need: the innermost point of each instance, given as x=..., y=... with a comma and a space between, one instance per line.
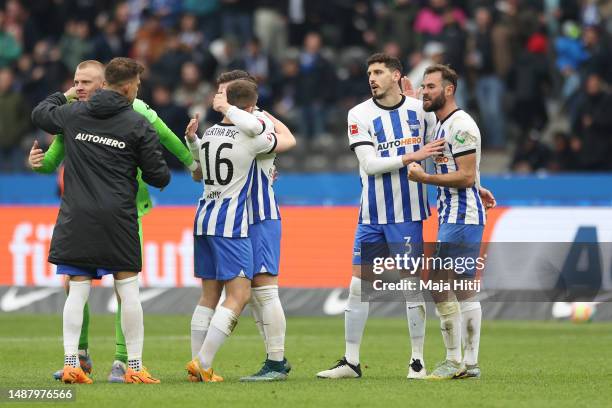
x=105, y=142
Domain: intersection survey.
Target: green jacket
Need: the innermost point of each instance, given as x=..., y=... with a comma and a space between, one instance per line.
x=55, y=154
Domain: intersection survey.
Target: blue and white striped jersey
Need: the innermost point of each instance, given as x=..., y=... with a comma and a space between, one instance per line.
x=227, y=157
x=393, y=131
x=262, y=201
x=458, y=205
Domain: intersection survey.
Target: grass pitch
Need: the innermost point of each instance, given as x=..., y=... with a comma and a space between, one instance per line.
x=525, y=364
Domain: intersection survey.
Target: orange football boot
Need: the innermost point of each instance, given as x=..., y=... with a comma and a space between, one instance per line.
x=75, y=375
x=197, y=374
x=139, y=377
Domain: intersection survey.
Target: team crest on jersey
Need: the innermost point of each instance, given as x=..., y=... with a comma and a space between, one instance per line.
x=353, y=130
x=414, y=124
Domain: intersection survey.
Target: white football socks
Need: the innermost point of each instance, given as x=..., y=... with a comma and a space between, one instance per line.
x=471, y=318
x=222, y=324
x=131, y=320
x=256, y=311
x=355, y=317
x=450, y=325
x=416, y=315
x=200, y=321
x=73, y=316
x=273, y=320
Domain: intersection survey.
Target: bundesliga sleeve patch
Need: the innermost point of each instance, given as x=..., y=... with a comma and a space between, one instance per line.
x=353, y=130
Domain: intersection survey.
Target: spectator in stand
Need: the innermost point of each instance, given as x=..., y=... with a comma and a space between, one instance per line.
x=75, y=45
x=149, y=40
x=430, y=20
x=529, y=81
x=192, y=92
x=189, y=35
x=563, y=159
x=489, y=85
x=570, y=55
x=592, y=126
x=48, y=72
x=285, y=105
x=270, y=26
x=174, y=116
x=20, y=25
x=109, y=43
x=353, y=88
x=10, y=49
x=208, y=14
x=531, y=155
x=600, y=53
x=395, y=20
x=263, y=67
x=14, y=122
x=454, y=40
x=167, y=69
x=168, y=11
x=316, y=87
x=237, y=19
x=433, y=53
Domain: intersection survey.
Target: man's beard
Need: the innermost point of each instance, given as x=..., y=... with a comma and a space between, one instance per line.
x=380, y=95
x=436, y=104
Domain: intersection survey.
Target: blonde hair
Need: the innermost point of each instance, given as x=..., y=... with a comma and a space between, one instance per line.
x=91, y=63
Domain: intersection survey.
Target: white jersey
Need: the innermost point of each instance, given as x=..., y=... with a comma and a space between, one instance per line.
x=390, y=197
x=227, y=157
x=458, y=205
x=262, y=201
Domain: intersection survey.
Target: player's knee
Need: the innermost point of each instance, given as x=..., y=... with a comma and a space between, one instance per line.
x=357, y=271
x=414, y=294
x=128, y=290
x=238, y=297
x=355, y=287
x=447, y=308
x=264, y=279
x=264, y=294
x=468, y=305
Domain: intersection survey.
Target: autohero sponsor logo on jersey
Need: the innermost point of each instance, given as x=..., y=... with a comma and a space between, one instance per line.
x=440, y=160
x=85, y=137
x=394, y=144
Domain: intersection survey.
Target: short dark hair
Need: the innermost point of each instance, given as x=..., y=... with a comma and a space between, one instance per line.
x=448, y=74
x=242, y=93
x=390, y=62
x=121, y=70
x=230, y=76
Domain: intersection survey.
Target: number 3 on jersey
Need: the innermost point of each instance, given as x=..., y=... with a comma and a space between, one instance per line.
x=209, y=178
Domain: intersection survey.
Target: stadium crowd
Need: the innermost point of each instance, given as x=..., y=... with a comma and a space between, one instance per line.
x=536, y=73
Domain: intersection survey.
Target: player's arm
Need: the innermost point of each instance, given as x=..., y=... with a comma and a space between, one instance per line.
x=47, y=162
x=49, y=115
x=166, y=136
x=284, y=138
x=174, y=144
x=464, y=177
x=361, y=143
x=193, y=143
x=248, y=123
x=487, y=197
x=264, y=143
x=155, y=171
